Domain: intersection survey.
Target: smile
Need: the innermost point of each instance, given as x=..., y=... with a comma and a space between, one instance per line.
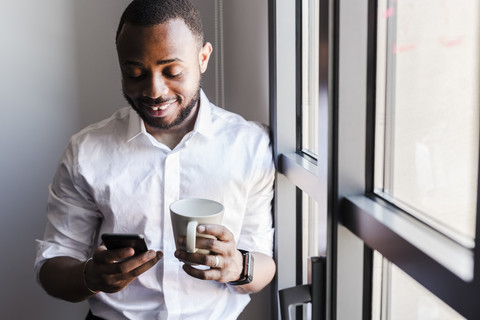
x=161, y=106
x=159, y=109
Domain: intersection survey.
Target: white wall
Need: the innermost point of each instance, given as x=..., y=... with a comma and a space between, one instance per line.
x=246, y=58
x=59, y=73
x=246, y=87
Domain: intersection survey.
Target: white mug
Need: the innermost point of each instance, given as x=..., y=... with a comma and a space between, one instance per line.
x=187, y=214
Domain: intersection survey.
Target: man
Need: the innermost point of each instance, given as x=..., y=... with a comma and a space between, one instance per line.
x=120, y=176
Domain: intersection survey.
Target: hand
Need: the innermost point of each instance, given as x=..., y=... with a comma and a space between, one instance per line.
x=110, y=270
x=223, y=248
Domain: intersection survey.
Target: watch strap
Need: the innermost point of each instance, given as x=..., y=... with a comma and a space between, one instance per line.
x=247, y=269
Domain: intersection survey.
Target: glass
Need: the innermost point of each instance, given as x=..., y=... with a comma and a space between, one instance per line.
x=314, y=240
x=309, y=80
x=396, y=296
x=314, y=234
x=428, y=110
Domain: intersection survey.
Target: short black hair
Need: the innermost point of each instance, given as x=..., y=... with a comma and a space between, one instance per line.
x=153, y=12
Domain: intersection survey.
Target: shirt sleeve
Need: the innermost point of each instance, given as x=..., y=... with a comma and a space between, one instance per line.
x=72, y=216
x=257, y=229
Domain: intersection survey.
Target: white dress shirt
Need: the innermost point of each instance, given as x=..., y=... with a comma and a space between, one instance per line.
x=115, y=177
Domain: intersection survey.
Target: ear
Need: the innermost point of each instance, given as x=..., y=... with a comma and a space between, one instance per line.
x=204, y=56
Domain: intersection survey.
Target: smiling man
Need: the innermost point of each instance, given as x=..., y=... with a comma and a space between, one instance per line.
x=120, y=176
x=162, y=67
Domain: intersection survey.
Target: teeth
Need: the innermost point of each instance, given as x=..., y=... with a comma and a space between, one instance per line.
x=162, y=107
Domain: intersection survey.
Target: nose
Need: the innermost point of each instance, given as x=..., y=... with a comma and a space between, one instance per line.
x=155, y=87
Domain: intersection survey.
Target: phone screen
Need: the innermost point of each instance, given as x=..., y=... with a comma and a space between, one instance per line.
x=125, y=240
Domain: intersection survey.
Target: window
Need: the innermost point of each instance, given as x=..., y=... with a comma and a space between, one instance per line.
x=427, y=111
x=309, y=76
x=388, y=155
x=313, y=244
x=401, y=297
x=419, y=122
x=300, y=124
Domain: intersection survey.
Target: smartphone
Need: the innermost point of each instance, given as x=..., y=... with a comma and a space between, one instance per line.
x=125, y=240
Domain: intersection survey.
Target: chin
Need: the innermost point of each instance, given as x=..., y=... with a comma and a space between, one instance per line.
x=159, y=123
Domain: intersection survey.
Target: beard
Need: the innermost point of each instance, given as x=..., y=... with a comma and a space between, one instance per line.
x=159, y=123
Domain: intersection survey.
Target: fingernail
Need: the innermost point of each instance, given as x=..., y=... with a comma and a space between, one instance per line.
x=201, y=229
x=151, y=254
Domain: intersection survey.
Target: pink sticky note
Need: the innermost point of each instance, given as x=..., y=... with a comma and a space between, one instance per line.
x=452, y=42
x=388, y=13
x=403, y=48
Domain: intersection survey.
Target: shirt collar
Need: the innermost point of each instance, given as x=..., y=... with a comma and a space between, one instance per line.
x=203, y=124
x=135, y=125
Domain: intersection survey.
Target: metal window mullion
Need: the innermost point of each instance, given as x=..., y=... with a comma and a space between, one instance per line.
x=476, y=250
x=438, y=263
x=283, y=123
x=390, y=102
x=304, y=174
x=386, y=288
x=476, y=270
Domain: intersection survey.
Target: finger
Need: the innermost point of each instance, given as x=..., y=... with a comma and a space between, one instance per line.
x=216, y=264
x=209, y=274
x=215, y=245
x=218, y=231
x=99, y=254
x=210, y=260
x=147, y=265
x=195, y=258
x=127, y=266
x=114, y=278
x=102, y=255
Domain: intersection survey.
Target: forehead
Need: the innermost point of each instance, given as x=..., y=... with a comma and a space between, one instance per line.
x=172, y=39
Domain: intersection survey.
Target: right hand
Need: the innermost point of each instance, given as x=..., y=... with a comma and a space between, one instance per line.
x=109, y=272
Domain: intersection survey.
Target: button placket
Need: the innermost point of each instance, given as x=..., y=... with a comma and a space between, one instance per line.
x=171, y=285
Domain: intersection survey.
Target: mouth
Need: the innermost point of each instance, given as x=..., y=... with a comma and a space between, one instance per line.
x=159, y=109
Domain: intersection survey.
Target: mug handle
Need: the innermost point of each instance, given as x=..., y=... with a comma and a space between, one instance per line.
x=192, y=236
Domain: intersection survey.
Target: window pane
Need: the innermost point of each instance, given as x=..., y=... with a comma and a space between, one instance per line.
x=314, y=240
x=397, y=296
x=310, y=84
x=428, y=61
x=309, y=233
x=314, y=234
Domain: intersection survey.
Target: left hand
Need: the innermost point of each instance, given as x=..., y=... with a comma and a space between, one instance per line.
x=223, y=248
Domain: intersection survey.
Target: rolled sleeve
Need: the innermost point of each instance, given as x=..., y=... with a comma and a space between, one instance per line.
x=257, y=230
x=72, y=218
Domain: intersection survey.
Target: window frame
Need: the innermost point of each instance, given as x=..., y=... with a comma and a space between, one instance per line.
x=296, y=169
x=341, y=181
x=391, y=231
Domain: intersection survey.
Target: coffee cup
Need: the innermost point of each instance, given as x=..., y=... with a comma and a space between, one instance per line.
x=187, y=214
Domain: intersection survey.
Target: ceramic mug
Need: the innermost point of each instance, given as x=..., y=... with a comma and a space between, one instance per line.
x=187, y=214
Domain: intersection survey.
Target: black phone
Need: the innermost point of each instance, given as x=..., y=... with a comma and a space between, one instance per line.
x=125, y=240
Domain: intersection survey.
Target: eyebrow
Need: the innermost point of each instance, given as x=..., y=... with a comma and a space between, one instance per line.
x=159, y=62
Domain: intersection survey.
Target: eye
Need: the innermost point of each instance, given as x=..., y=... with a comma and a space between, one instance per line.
x=133, y=72
x=173, y=72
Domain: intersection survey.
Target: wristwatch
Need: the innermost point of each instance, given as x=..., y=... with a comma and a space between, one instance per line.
x=247, y=270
